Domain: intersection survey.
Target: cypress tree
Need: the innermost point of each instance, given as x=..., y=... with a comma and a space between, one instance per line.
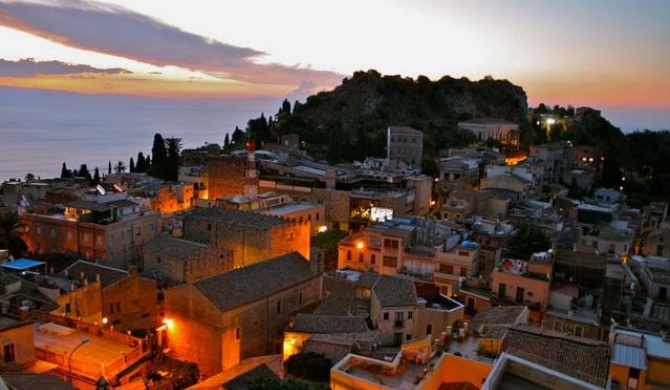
x=64, y=172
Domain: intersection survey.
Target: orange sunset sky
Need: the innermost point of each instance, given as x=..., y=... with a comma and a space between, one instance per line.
x=612, y=55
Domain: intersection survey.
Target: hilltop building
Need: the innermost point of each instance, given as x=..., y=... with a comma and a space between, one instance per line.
x=404, y=144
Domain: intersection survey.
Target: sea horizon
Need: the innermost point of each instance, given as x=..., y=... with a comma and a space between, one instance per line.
x=38, y=136
x=41, y=130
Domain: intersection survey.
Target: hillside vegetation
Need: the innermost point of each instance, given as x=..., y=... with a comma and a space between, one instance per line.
x=349, y=122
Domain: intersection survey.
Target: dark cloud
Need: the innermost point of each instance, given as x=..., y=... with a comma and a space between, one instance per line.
x=30, y=68
x=121, y=32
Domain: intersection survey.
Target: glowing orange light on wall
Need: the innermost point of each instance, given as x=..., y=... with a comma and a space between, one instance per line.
x=360, y=245
x=169, y=323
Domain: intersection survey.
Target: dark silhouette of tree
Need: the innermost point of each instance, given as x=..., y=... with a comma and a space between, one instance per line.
x=259, y=130
x=64, y=172
x=238, y=136
x=83, y=172
x=267, y=383
x=132, y=165
x=30, y=177
x=119, y=168
x=528, y=240
x=96, y=177
x=285, y=107
x=11, y=230
x=158, y=150
x=141, y=164
x=109, y=167
x=310, y=366
x=226, y=141
x=173, y=160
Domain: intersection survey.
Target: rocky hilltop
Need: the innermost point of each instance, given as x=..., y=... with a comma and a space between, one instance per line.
x=349, y=122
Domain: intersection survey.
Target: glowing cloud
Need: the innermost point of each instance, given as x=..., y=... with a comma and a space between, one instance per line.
x=117, y=31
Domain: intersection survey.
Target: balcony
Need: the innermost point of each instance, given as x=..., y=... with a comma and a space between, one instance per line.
x=398, y=324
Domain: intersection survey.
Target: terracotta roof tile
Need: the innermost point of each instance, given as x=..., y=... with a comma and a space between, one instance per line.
x=582, y=358
x=243, y=285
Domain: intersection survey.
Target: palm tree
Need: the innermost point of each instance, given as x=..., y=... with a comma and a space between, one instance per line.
x=11, y=229
x=120, y=167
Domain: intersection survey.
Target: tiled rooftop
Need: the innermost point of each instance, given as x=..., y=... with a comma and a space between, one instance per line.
x=394, y=291
x=168, y=246
x=108, y=275
x=495, y=316
x=241, y=286
x=578, y=357
x=310, y=323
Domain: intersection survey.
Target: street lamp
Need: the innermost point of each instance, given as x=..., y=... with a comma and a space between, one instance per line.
x=69, y=363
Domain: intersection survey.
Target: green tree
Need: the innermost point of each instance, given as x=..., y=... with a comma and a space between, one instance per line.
x=528, y=240
x=310, y=366
x=328, y=241
x=11, y=231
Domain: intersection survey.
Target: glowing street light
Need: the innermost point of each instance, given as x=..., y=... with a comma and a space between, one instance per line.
x=168, y=322
x=360, y=245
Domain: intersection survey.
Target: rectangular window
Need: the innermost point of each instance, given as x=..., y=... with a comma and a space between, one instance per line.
x=408, y=336
x=447, y=268
x=464, y=271
x=68, y=308
x=558, y=326
x=386, y=316
x=429, y=329
x=373, y=259
x=361, y=257
x=388, y=243
x=118, y=307
x=463, y=253
x=9, y=353
x=111, y=308
x=410, y=315
x=300, y=298
x=390, y=261
x=238, y=331
x=278, y=307
x=160, y=297
x=349, y=255
x=579, y=331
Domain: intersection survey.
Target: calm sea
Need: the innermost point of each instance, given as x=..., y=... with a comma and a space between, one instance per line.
x=39, y=138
